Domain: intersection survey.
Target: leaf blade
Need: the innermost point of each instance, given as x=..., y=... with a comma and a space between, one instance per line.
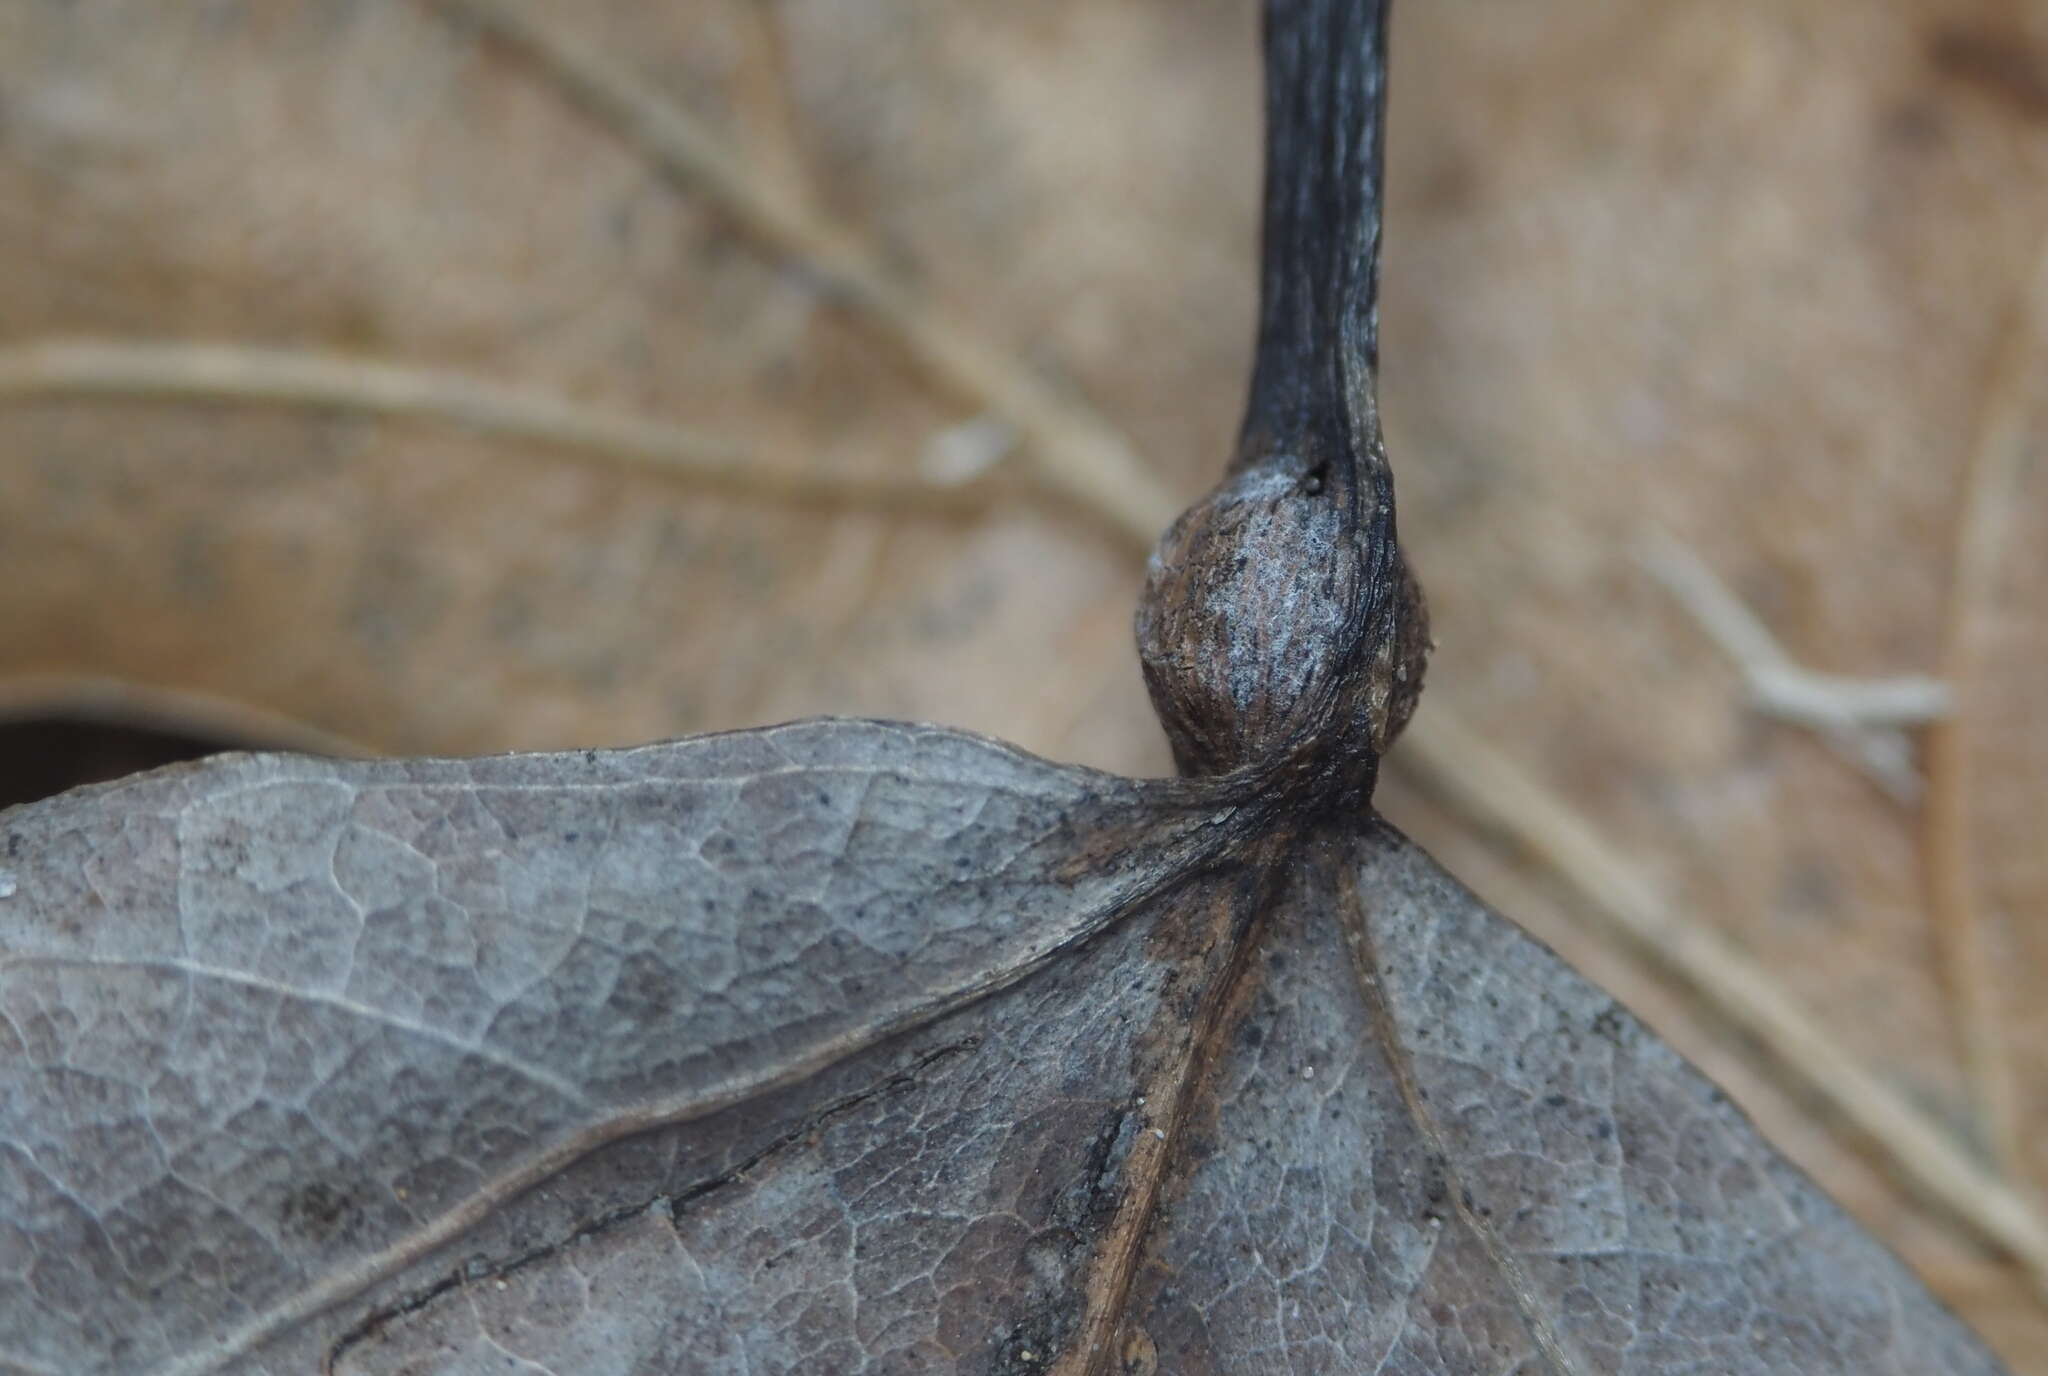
x=1596, y=1205
x=340, y=1011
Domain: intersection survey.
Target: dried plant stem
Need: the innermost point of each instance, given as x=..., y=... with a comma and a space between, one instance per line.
x=1997, y=459
x=1625, y=907
x=1077, y=452
x=1858, y=717
x=134, y=369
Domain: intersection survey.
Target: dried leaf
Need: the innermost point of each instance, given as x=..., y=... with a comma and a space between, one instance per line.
x=1432, y=1148
x=851, y=1046
x=282, y=1033
x=794, y=1044
x=383, y=184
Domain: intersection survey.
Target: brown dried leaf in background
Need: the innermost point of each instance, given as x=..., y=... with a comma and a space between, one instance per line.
x=865, y=1047
x=387, y=184
x=1744, y=268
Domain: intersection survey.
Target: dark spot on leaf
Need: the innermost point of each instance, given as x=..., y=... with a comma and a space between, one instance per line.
x=1607, y=1024
x=318, y=1212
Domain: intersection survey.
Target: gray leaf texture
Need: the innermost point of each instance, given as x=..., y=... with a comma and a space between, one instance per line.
x=851, y=1047
x=278, y=1036
x=1430, y=1147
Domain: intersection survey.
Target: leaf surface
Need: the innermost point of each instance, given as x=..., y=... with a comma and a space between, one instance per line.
x=637, y=1100
x=1434, y=1148
x=279, y=1028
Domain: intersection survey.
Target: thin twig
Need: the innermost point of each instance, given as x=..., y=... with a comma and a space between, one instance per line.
x=1624, y=906
x=187, y=371
x=1997, y=458
x=1858, y=717
x=1075, y=449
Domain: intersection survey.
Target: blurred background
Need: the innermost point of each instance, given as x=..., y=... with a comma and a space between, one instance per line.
x=418, y=377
